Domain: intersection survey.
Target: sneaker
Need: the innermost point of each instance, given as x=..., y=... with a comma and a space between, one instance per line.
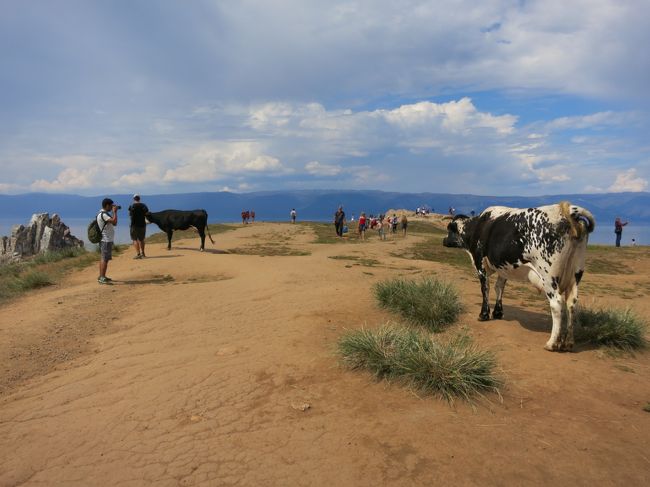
x=138, y=256
x=103, y=280
x=108, y=279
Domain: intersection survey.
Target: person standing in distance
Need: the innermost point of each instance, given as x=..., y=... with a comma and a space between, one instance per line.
x=106, y=223
x=339, y=221
x=293, y=215
x=618, y=230
x=138, y=227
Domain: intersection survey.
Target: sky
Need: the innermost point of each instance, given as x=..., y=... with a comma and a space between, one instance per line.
x=492, y=98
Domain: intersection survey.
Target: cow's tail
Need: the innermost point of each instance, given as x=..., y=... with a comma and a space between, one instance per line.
x=207, y=227
x=581, y=221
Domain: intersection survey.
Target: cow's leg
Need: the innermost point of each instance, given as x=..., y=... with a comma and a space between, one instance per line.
x=571, y=302
x=557, y=304
x=485, y=291
x=169, y=239
x=497, y=313
x=202, y=235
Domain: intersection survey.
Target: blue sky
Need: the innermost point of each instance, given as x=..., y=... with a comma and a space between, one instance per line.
x=492, y=97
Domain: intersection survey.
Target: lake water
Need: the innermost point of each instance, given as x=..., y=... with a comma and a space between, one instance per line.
x=603, y=235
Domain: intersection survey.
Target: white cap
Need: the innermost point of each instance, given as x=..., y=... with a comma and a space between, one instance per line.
x=136, y=196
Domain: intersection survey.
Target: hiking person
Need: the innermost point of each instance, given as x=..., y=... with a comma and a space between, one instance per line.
x=138, y=226
x=252, y=216
x=106, y=223
x=293, y=215
x=362, y=226
x=386, y=224
x=380, y=228
x=618, y=230
x=405, y=224
x=339, y=221
x=393, y=224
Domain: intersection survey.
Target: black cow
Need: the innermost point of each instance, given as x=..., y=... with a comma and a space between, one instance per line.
x=545, y=245
x=170, y=220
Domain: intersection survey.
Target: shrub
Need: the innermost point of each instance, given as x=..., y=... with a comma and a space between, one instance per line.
x=429, y=302
x=613, y=328
x=55, y=256
x=455, y=368
x=31, y=280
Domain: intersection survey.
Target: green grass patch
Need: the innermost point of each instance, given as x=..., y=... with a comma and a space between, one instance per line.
x=358, y=260
x=429, y=302
x=617, y=329
x=215, y=229
x=325, y=233
x=42, y=270
x=268, y=250
x=32, y=279
x=603, y=265
x=432, y=249
x=452, y=369
x=646, y=408
x=424, y=227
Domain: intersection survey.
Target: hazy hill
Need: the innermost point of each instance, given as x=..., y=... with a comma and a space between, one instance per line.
x=318, y=205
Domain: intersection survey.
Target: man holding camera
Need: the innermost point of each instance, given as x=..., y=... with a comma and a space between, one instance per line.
x=106, y=224
x=138, y=228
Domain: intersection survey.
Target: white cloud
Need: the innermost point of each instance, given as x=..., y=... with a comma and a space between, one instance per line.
x=628, y=181
x=317, y=169
x=70, y=179
x=455, y=116
x=215, y=161
x=595, y=120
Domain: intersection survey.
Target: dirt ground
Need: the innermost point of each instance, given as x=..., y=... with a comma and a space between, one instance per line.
x=218, y=368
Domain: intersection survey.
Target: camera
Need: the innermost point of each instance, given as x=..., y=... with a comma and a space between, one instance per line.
x=118, y=207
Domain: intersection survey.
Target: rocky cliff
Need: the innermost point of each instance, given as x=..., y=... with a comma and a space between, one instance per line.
x=42, y=234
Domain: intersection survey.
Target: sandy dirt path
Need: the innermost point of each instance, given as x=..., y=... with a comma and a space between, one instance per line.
x=219, y=369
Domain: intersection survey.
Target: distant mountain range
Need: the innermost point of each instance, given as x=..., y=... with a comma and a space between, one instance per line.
x=319, y=204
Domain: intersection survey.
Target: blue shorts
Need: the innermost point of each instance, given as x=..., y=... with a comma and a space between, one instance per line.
x=106, y=249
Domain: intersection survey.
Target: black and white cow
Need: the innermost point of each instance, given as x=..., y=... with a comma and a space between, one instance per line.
x=170, y=220
x=545, y=245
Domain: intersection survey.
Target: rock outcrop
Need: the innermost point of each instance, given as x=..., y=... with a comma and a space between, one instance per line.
x=42, y=234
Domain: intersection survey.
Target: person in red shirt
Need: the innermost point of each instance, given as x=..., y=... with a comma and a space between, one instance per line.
x=362, y=226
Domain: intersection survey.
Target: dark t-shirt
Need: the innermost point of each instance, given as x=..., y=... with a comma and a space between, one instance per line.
x=339, y=216
x=137, y=212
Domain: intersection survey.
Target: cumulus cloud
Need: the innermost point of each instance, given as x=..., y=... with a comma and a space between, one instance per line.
x=70, y=179
x=317, y=169
x=356, y=134
x=216, y=161
x=628, y=181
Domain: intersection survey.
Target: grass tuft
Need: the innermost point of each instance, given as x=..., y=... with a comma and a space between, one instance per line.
x=450, y=370
x=32, y=279
x=618, y=329
x=429, y=302
x=41, y=270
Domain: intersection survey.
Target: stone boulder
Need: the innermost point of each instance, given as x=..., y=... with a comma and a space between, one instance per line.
x=42, y=234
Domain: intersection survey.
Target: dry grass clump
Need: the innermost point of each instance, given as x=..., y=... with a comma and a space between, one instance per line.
x=452, y=369
x=41, y=270
x=618, y=329
x=428, y=302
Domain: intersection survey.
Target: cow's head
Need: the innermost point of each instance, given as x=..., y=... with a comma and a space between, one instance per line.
x=456, y=232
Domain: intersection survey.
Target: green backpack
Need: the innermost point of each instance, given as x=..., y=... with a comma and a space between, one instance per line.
x=94, y=232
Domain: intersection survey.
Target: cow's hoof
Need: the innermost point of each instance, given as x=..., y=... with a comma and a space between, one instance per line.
x=497, y=315
x=552, y=347
x=566, y=346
